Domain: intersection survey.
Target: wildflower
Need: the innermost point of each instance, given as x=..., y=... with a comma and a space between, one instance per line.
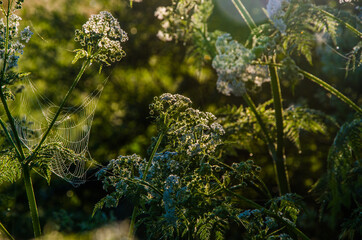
x=163, y=36
x=26, y=34
x=232, y=64
x=14, y=47
x=274, y=7
x=103, y=35
x=276, y=12
x=245, y=214
x=161, y=12
x=270, y=222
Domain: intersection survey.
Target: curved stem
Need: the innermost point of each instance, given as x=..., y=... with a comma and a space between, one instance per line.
x=263, y=127
x=321, y=83
x=85, y=65
x=6, y=233
x=278, y=108
x=135, y=209
x=270, y=144
x=9, y=138
x=354, y=30
x=331, y=89
x=31, y=200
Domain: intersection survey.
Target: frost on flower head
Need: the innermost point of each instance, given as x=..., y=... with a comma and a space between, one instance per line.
x=232, y=64
x=101, y=36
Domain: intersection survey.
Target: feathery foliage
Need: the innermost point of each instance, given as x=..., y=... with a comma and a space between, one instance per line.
x=340, y=187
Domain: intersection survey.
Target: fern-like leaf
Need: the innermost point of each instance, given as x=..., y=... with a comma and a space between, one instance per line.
x=10, y=167
x=343, y=181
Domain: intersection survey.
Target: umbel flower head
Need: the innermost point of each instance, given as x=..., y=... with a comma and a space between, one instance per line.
x=275, y=9
x=235, y=73
x=101, y=38
x=15, y=42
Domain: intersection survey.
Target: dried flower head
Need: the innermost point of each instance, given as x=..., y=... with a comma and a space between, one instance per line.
x=101, y=37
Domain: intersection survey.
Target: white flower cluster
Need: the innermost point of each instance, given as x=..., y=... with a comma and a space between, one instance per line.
x=276, y=12
x=103, y=35
x=232, y=64
x=15, y=47
x=179, y=19
x=197, y=133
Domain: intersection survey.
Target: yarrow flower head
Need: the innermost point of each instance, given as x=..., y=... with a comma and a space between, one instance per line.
x=101, y=37
x=233, y=66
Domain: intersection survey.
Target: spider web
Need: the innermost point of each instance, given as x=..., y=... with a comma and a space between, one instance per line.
x=33, y=112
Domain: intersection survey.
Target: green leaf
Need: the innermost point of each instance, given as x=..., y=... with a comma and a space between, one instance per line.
x=81, y=53
x=10, y=167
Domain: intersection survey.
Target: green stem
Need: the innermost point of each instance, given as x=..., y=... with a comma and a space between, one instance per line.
x=331, y=89
x=278, y=108
x=9, y=138
x=2, y=96
x=75, y=82
x=135, y=209
x=267, y=137
x=263, y=127
x=354, y=30
x=7, y=234
x=244, y=14
x=321, y=83
x=31, y=200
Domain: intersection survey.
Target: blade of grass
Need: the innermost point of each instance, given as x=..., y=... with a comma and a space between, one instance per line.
x=6, y=233
x=244, y=14
x=278, y=108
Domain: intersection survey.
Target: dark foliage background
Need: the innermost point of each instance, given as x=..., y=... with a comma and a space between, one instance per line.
x=122, y=125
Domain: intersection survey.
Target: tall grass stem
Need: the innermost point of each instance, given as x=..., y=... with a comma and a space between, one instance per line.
x=282, y=173
x=244, y=14
x=135, y=209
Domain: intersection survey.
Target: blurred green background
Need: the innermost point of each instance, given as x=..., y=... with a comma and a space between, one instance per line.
x=121, y=124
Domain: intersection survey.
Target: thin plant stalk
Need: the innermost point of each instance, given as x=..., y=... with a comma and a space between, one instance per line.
x=352, y=29
x=31, y=200
x=331, y=89
x=9, y=138
x=2, y=96
x=244, y=14
x=26, y=174
x=135, y=209
x=85, y=65
x=6, y=233
x=267, y=137
x=321, y=83
x=282, y=173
